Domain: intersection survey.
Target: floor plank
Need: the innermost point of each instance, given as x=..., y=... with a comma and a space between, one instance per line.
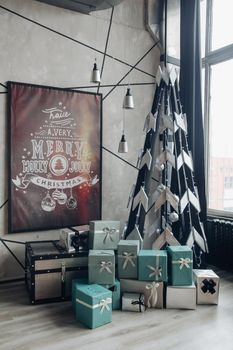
x=52, y=326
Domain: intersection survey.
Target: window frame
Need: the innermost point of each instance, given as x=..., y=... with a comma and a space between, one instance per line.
x=211, y=57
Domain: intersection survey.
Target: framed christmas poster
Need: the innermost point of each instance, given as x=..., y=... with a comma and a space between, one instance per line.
x=55, y=157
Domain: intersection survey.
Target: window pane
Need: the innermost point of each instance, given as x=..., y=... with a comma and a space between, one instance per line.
x=173, y=28
x=221, y=138
x=222, y=31
x=203, y=26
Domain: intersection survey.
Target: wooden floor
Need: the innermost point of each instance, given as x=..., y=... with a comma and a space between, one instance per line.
x=52, y=326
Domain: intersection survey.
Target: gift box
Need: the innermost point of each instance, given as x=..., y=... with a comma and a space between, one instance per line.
x=207, y=283
x=152, y=265
x=127, y=252
x=93, y=305
x=180, y=263
x=75, y=284
x=153, y=291
x=104, y=234
x=133, y=302
x=101, y=266
x=181, y=297
x=116, y=294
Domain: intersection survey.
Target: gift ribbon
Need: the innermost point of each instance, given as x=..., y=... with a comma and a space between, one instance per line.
x=183, y=262
x=128, y=257
x=109, y=233
x=138, y=302
x=105, y=265
x=157, y=270
x=208, y=286
x=153, y=297
x=103, y=304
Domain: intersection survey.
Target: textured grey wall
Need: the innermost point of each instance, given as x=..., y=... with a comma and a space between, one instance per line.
x=32, y=54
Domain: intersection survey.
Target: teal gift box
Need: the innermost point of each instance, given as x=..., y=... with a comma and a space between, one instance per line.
x=116, y=294
x=104, y=234
x=75, y=284
x=101, y=266
x=180, y=265
x=93, y=305
x=152, y=265
x=127, y=252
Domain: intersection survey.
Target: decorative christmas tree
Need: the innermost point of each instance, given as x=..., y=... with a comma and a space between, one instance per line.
x=165, y=205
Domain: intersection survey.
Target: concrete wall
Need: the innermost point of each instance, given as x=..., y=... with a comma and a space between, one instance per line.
x=32, y=54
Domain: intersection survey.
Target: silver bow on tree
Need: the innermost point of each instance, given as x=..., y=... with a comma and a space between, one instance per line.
x=128, y=258
x=109, y=233
x=153, y=297
x=105, y=266
x=104, y=304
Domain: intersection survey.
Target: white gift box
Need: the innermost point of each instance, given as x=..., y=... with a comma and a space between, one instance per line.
x=207, y=283
x=133, y=302
x=181, y=297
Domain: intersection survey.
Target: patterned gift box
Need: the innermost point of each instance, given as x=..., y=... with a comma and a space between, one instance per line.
x=181, y=297
x=127, y=252
x=152, y=265
x=101, y=266
x=207, y=283
x=116, y=294
x=104, y=234
x=180, y=260
x=133, y=302
x=93, y=305
x=153, y=291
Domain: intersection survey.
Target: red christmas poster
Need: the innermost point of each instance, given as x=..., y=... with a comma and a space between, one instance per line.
x=55, y=157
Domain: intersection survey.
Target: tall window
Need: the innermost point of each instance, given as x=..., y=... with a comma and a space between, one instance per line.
x=217, y=58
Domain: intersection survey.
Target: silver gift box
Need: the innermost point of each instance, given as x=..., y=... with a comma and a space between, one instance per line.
x=133, y=302
x=207, y=283
x=181, y=297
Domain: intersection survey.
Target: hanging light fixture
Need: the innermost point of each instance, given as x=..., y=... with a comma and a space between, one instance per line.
x=128, y=99
x=123, y=145
x=95, y=74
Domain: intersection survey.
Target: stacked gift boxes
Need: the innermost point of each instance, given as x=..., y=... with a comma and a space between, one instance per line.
x=145, y=278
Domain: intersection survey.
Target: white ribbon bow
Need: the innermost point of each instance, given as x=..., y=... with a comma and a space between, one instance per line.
x=128, y=259
x=109, y=232
x=105, y=265
x=156, y=271
x=104, y=304
x=153, y=297
x=184, y=262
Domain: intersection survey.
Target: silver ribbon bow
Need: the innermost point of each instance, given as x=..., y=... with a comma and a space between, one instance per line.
x=109, y=232
x=156, y=271
x=184, y=262
x=153, y=297
x=105, y=265
x=104, y=304
x=128, y=259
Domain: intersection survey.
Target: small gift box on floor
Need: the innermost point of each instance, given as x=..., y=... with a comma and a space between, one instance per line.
x=180, y=260
x=116, y=294
x=101, y=266
x=152, y=291
x=207, y=283
x=93, y=305
x=152, y=265
x=127, y=252
x=104, y=234
x=181, y=297
x=133, y=302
